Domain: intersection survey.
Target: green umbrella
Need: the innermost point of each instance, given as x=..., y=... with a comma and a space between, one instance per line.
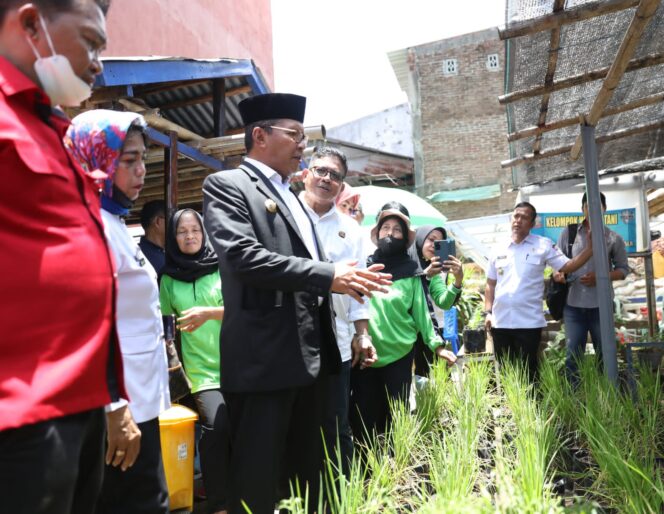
x=372, y=198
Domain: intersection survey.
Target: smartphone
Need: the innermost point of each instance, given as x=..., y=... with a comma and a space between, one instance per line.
x=169, y=327
x=443, y=249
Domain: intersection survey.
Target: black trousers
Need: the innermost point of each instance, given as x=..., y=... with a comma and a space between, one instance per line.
x=371, y=391
x=423, y=358
x=336, y=426
x=142, y=488
x=214, y=447
x=53, y=467
x=275, y=438
x=519, y=344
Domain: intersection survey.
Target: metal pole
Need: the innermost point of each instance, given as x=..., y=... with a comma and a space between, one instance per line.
x=600, y=256
x=651, y=298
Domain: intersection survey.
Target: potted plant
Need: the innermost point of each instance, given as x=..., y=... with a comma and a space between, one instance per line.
x=474, y=334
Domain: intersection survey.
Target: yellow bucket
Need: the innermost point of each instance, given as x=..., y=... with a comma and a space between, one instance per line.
x=176, y=426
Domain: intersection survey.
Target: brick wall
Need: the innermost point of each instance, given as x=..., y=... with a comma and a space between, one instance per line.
x=463, y=127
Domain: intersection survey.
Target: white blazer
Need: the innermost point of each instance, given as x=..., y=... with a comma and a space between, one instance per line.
x=139, y=325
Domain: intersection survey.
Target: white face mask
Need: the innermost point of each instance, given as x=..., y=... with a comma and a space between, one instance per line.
x=57, y=77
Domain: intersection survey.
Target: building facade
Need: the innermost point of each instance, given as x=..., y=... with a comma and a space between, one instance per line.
x=199, y=29
x=459, y=128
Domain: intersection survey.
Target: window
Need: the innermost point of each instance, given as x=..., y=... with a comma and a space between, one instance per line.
x=492, y=62
x=450, y=67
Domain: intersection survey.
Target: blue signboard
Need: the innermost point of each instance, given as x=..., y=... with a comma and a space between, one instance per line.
x=622, y=221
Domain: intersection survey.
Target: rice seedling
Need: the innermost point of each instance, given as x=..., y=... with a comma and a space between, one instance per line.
x=523, y=464
x=453, y=457
x=622, y=432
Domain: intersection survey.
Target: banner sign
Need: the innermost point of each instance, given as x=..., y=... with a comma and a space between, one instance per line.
x=622, y=221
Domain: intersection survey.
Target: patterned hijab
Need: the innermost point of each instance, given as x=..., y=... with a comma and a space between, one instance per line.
x=95, y=139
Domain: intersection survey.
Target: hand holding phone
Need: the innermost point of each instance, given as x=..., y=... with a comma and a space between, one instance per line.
x=443, y=249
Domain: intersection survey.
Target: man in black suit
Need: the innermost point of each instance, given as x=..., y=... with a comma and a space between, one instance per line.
x=277, y=337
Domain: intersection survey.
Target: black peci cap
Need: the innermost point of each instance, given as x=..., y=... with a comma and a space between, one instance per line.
x=272, y=106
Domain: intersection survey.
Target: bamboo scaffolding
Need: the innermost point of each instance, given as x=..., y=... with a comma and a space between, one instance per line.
x=642, y=17
x=618, y=134
x=558, y=19
x=568, y=122
x=581, y=78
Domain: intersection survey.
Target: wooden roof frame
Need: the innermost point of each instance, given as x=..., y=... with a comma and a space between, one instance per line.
x=611, y=75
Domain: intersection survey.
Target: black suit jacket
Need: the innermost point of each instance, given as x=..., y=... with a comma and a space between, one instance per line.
x=274, y=334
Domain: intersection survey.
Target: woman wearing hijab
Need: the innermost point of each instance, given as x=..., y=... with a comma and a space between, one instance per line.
x=348, y=200
x=395, y=319
x=110, y=145
x=191, y=289
x=441, y=295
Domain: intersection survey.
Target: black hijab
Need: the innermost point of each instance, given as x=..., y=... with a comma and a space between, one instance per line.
x=188, y=268
x=399, y=265
x=421, y=235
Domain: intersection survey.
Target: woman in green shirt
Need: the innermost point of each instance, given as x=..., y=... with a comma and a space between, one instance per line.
x=395, y=319
x=191, y=289
x=440, y=294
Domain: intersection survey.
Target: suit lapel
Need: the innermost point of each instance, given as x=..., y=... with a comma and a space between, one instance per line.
x=266, y=188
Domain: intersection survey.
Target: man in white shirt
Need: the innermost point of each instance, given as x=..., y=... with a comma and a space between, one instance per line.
x=342, y=242
x=515, y=288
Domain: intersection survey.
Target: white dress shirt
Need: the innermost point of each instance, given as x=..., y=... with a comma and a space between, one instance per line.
x=518, y=270
x=301, y=219
x=139, y=323
x=341, y=237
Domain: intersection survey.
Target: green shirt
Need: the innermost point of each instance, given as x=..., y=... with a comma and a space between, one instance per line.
x=443, y=296
x=200, y=349
x=396, y=317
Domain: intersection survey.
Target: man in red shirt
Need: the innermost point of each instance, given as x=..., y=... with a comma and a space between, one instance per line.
x=60, y=359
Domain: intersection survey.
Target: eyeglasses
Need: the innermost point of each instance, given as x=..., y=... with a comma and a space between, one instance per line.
x=322, y=172
x=297, y=136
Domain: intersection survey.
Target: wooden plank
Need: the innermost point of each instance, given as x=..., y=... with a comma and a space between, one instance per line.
x=171, y=175
x=219, y=107
x=568, y=122
x=642, y=17
x=618, y=134
x=558, y=19
x=581, y=78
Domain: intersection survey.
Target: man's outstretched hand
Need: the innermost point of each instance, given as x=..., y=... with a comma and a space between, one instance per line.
x=357, y=282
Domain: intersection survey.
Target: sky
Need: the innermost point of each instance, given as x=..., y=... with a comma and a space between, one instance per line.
x=334, y=52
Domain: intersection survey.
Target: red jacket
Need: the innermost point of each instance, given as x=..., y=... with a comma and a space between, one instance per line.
x=57, y=318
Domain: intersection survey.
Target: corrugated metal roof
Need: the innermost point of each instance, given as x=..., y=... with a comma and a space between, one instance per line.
x=180, y=91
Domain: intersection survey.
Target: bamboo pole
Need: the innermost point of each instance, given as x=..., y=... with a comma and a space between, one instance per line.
x=618, y=134
x=568, y=16
x=554, y=46
x=642, y=17
x=568, y=122
x=235, y=143
x=160, y=123
x=581, y=78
